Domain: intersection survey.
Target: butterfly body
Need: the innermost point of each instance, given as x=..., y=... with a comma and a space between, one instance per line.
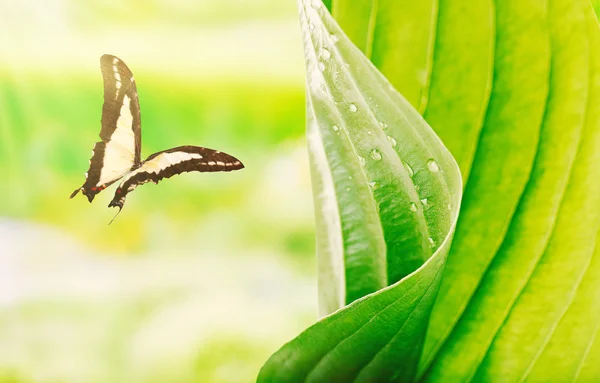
x=118, y=155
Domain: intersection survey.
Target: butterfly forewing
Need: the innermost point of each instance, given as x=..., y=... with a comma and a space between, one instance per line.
x=174, y=161
x=120, y=97
x=119, y=150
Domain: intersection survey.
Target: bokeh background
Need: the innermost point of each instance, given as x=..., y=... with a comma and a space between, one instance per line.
x=199, y=279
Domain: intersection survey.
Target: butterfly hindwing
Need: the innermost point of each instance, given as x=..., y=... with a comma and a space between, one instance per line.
x=119, y=151
x=174, y=161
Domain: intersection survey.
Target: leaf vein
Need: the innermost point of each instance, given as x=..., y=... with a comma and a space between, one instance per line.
x=371, y=28
x=407, y=319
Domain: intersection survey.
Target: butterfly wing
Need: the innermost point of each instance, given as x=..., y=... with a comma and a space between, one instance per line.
x=119, y=151
x=174, y=161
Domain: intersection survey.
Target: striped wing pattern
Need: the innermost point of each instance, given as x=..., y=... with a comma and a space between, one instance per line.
x=168, y=163
x=118, y=152
x=117, y=155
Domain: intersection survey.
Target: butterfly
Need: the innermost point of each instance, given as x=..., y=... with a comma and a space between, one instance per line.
x=118, y=155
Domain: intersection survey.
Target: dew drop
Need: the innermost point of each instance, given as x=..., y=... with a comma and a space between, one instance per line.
x=361, y=160
x=392, y=141
x=353, y=108
x=334, y=39
x=431, y=242
x=424, y=201
x=372, y=184
x=325, y=54
x=413, y=206
x=321, y=66
x=409, y=170
x=335, y=128
x=375, y=154
x=449, y=207
x=433, y=166
x=322, y=88
x=311, y=26
x=383, y=125
x=347, y=188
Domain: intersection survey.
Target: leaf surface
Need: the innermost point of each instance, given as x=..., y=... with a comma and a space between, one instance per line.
x=387, y=194
x=513, y=90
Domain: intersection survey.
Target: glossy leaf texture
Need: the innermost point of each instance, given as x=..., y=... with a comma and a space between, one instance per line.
x=512, y=88
x=387, y=194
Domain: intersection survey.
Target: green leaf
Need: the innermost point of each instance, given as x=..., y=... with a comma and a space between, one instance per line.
x=512, y=286
x=422, y=52
x=513, y=87
x=387, y=194
x=397, y=36
x=513, y=91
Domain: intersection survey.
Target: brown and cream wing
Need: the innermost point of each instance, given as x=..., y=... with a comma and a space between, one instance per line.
x=174, y=161
x=118, y=152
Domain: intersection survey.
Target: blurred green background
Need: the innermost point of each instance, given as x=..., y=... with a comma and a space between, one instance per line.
x=199, y=279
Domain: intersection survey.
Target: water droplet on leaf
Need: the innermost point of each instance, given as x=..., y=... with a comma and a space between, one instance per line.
x=325, y=54
x=433, y=166
x=353, y=108
x=375, y=154
x=392, y=141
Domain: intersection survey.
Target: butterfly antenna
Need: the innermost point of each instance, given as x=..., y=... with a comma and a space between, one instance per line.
x=111, y=221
